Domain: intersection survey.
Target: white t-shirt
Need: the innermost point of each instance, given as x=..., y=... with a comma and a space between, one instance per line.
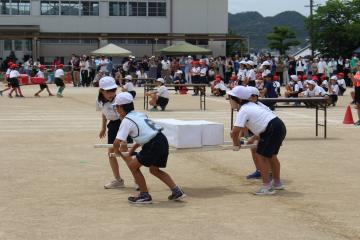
x=251, y=75
x=241, y=74
x=141, y=75
x=129, y=86
x=165, y=64
x=316, y=92
x=14, y=74
x=108, y=110
x=335, y=89
x=203, y=71
x=341, y=82
x=59, y=73
x=104, y=63
x=254, y=117
x=321, y=67
x=163, y=92
x=265, y=73
x=221, y=86
x=8, y=71
x=40, y=74
x=195, y=70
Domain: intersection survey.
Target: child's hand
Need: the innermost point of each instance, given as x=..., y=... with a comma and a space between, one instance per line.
x=102, y=133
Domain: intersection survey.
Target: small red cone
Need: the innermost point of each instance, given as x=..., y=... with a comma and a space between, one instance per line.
x=348, y=118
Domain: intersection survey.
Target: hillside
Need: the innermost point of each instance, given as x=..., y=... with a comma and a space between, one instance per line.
x=254, y=25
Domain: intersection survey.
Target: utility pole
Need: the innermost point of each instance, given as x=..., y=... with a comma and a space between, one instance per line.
x=311, y=28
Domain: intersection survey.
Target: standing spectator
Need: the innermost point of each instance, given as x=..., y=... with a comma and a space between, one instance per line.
x=300, y=66
x=152, y=68
x=84, y=70
x=314, y=67
x=187, y=69
x=280, y=70
x=110, y=67
x=165, y=69
x=92, y=69
x=76, y=70
x=174, y=66
x=321, y=68
x=292, y=66
x=353, y=64
x=103, y=64
x=28, y=67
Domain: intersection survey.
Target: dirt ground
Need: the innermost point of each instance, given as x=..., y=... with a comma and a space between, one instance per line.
x=51, y=177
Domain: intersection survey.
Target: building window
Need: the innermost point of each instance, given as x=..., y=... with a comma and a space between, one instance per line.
x=5, y=7
x=118, y=9
x=157, y=9
x=137, y=8
x=28, y=45
x=50, y=7
x=7, y=45
x=70, y=8
x=18, y=45
x=117, y=41
x=89, y=8
x=19, y=7
x=137, y=41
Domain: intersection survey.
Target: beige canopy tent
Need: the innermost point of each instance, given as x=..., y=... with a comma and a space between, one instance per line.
x=111, y=50
x=184, y=48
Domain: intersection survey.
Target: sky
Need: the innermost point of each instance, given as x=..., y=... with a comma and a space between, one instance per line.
x=271, y=7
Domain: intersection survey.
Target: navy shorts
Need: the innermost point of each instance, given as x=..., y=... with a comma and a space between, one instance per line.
x=59, y=82
x=271, y=139
x=133, y=93
x=357, y=95
x=113, y=128
x=155, y=152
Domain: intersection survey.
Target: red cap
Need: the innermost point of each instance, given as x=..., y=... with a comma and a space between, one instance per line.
x=10, y=63
x=305, y=77
x=276, y=78
x=300, y=77
x=233, y=77
x=341, y=74
x=218, y=76
x=42, y=67
x=315, y=78
x=60, y=66
x=323, y=77
x=12, y=66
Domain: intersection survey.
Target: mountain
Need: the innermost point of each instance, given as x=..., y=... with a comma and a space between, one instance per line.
x=255, y=26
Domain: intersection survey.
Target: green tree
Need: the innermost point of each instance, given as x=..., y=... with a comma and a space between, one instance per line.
x=336, y=27
x=235, y=46
x=281, y=39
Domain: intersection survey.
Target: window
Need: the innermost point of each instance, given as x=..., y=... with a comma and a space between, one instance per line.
x=18, y=45
x=89, y=8
x=28, y=45
x=118, y=9
x=157, y=9
x=137, y=41
x=70, y=8
x=19, y=7
x=117, y=41
x=7, y=45
x=50, y=7
x=137, y=8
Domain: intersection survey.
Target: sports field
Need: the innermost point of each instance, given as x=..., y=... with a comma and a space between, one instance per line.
x=51, y=177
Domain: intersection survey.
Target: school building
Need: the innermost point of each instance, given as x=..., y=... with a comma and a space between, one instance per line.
x=46, y=29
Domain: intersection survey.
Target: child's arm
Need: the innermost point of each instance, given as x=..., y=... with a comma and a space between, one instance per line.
x=103, y=127
x=235, y=133
x=133, y=148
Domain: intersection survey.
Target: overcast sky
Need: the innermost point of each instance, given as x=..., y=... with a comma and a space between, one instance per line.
x=271, y=7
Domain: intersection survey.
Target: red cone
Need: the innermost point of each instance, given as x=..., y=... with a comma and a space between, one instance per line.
x=348, y=118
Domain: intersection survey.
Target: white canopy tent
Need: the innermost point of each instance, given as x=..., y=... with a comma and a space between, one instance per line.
x=111, y=50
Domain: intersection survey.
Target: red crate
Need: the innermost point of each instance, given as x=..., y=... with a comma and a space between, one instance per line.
x=37, y=80
x=23, y=79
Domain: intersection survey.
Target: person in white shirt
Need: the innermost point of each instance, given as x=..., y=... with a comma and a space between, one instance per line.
x=218, y=87
x=268, y=129
x=159, y=97
x=110, y=119
x=293, y=88
x=60, y=80
x=321, y=67
x=14, y=82
x=342, y=84
x=333, y=90
x=250, y=74
x=7, y=74
x=300, y=66
x=314, y=90
x=165, y=68
x=242, y=72
x=103, y=64
x=154, y=152
x=40, y=74
x=129, y=86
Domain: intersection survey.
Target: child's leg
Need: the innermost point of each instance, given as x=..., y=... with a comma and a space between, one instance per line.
x=275, y=166
x=163, y=176
x=153, y=100
x=48, y=90
x=114, y=165
x=19, y=91
x=263, y=163
x=134, y=167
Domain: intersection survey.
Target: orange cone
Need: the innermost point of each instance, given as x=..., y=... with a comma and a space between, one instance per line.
x=348, y=118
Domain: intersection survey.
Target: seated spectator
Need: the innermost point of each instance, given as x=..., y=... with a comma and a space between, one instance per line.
x=97, y=78
x=277, y=85
x=293, y=88
x=333, y=90
x=342, y=84
x=218, y=87
x=179, y=79
x=233, y=81
x=129, y=86
x=314, y=90
x=159, y=97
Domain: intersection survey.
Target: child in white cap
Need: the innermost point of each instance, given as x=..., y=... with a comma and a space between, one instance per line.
x=111, y=121
x=129, y=86
x=159, y=97
x=154, y=152
x=268, y=129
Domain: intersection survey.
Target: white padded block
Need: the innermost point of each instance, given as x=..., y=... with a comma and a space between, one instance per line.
x=181, y=134
x=212, y=132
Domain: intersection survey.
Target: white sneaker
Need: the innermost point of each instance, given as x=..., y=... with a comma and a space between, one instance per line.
x=279, y=186
x=115, y=184
x=264, y=190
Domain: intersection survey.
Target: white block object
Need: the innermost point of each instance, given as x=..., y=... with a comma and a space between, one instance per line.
x=212, y=132
x=181, y=134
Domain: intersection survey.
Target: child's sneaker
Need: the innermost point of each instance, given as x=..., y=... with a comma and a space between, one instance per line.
x=265, y=190
x=254, y=175
x=154, y=109
x=59, y=95
x=142, y=198
x=115, y=184
x=177, y=194
x=277, y=186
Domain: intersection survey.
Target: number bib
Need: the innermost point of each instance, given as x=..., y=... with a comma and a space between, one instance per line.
x=147, y=129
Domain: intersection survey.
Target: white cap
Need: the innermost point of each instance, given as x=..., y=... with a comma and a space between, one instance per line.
x=253, y=91
x=311, y=82
x=123, y=98
x=190, y=56
x=294, y=77
x=128, y=77
x=240, y=92
x=250, y=63
x=266, y=63
x=160, y=80
x=107, y=83
x=179, y=72
x=334, y=78
x=243, y=62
